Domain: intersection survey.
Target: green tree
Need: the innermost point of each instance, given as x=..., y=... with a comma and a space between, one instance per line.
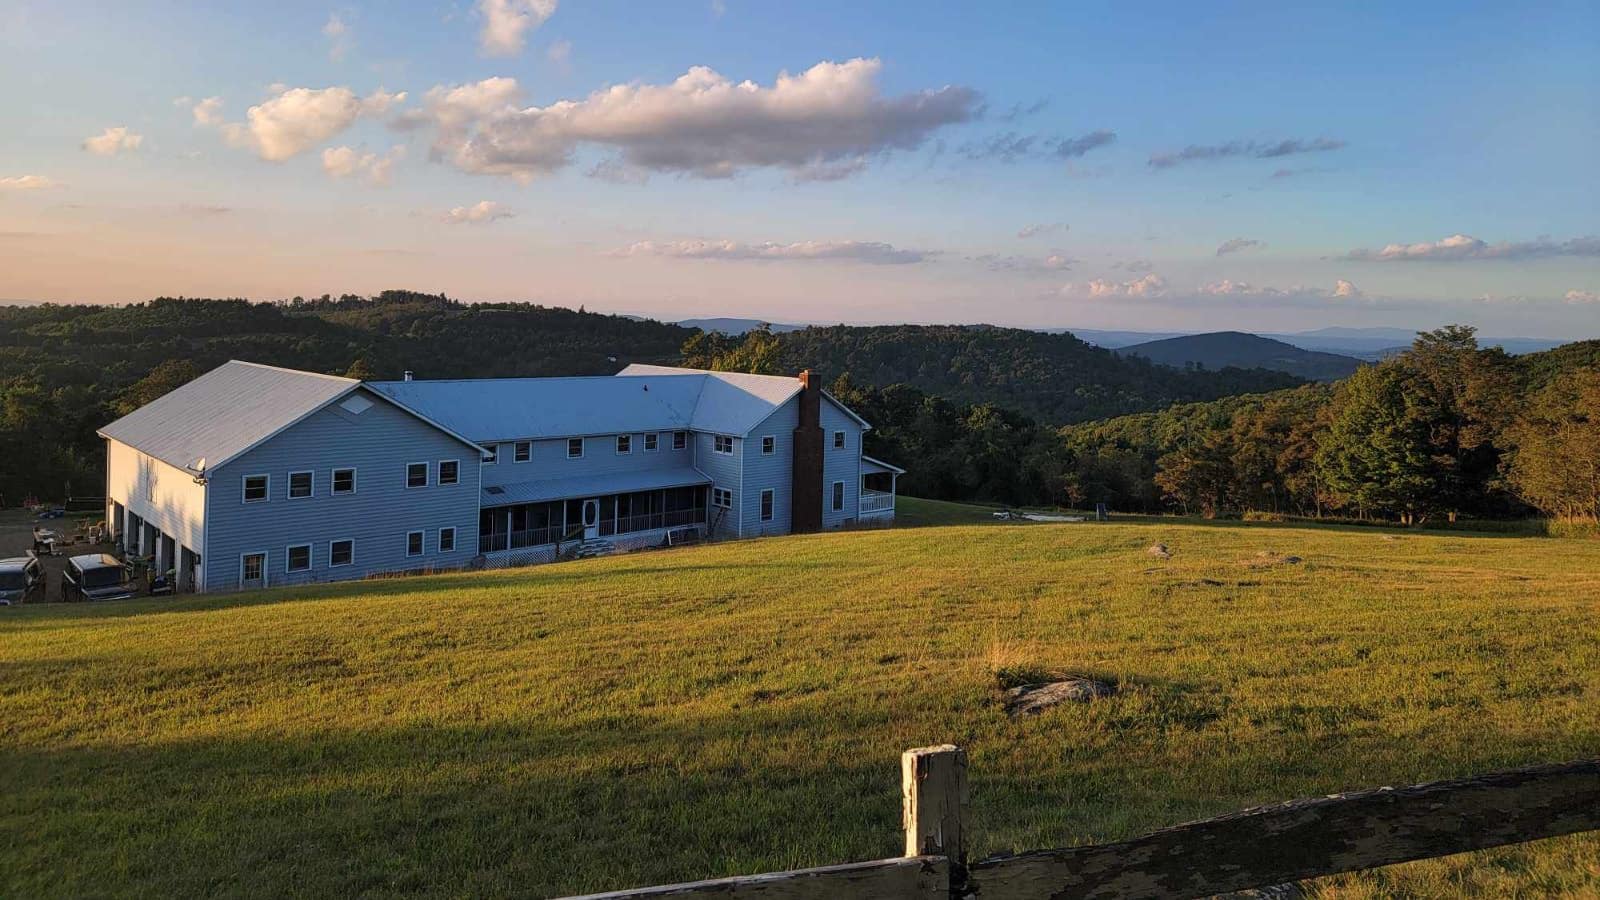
x=1378, y=456
x=1556, y=466
x=162, y=380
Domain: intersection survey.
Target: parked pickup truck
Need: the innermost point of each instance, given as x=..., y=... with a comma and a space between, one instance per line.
x=95, y=576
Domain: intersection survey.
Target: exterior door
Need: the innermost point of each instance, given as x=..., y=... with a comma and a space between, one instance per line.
x=591, y=519
x=253, y=571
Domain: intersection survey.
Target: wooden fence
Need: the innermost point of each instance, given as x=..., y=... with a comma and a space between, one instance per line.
x=1268, y=845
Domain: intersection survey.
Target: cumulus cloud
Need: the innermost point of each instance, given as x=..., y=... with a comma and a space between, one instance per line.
x=1462, y=247
x=701, y=124
x=375, y=169
x=338, y=35
x=871, y=252
x=1028, y=231
x=1577, y=298
x=1234, y=245
x=113, y=141
x=1151, y=285
x=296, y=119
x=506, y=24
x=207, y=111
x=1257, y=149
x=1341, y=289
x=27, y=183
x=481, y=213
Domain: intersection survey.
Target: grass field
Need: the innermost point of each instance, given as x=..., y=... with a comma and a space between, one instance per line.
x=741, y=707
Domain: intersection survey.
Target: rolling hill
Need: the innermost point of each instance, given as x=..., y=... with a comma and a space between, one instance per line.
x=1220, y=349
x=742, y=707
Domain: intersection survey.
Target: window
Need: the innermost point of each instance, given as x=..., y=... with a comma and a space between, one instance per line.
x=447, y=540
x=449, y=471
x=341, y=553
x=721, y=443
x=680, y=440
x=299, y=558
x=417, y=475
x=491, y=454
x=722, y=497
x=344, y=481
x=414, y=543
x=574, y=448
x=766, y=505
x=254, y=564
x=299, y=485
x=650, y=443
x=838, y=496
x=255, y=488
x=522, y=452
x=150, y=487
x=838, y=440
x=769, y=445
x=624, y=443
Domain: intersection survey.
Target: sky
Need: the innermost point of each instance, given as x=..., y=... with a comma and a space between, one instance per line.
x=1158, y=166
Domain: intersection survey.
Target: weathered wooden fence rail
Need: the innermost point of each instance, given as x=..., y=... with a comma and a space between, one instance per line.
x=1257, y=847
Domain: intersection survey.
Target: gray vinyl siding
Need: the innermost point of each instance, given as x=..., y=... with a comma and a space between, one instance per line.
x=840, y=465
x=600, y=457
x=724, y=472
x=378, y=444
x=774, y=472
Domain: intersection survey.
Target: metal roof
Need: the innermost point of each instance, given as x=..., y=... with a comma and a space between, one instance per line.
x=873, y=466
x=225, y=412
x=592, y=486
x=639, y=398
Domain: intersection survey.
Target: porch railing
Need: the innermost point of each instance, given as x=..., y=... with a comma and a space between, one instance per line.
x=536, y=537
x=873, y=501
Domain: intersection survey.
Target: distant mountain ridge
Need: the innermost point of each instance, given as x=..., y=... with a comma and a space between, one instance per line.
x=1220, y=349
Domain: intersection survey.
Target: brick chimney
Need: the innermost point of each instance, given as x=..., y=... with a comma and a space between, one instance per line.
x=805, y=503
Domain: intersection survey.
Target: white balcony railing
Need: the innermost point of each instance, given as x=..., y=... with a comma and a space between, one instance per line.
x=874, y=502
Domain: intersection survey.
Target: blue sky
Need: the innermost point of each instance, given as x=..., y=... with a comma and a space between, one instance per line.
x=1171, y=166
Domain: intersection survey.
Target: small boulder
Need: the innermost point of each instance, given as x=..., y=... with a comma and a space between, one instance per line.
x=1032, y=699
x=1159, y=550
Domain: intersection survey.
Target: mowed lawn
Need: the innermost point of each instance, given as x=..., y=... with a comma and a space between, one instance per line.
x=741, y=707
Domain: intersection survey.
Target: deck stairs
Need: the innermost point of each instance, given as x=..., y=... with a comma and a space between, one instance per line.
x=593, y=547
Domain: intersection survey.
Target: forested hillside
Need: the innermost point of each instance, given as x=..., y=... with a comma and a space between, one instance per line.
x=1220, y=349
x=1054, y=378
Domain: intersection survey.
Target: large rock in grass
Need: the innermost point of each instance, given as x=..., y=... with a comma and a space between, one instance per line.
x=1032, y=699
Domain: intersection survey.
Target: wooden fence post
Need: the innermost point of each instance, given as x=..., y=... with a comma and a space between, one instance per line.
x=934, y=787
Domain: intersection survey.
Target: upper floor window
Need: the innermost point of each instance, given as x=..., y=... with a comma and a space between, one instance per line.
x=838, y=440
x=769, y=445
x=523, y=451
x=650, y=442
x=624, y=443
x=449, y=471
x=255, y=488
x=680, y=440
x=574, y=448
x=491, y=454
x=299, y=485
x=344, y=481
x=722, y=497
x=721, y=443
x=417, y=475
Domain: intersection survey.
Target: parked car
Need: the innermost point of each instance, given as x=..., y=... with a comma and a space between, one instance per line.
x=21, y=579
x=95, y=576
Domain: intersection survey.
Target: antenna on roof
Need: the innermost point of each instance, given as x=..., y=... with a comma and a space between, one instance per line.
x=407, y=375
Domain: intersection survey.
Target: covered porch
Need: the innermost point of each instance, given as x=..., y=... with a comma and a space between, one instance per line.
x=640, y=507
x=878, y=482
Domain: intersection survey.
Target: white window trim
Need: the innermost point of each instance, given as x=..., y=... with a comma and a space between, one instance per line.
x=352, y=543
x=840, y=440
x=423, y=543
x=837, y=490
x=288, y=487
x=491, y=455
x=618, y=443
x=266, y=563
x=684, y=445
x=333, y=479
x=725, y=491
x=427, y=476
x=767, y=493
x=244, y=487
x=310, y=562
x=582, y=445
x=440, y=479
x=716, y=439
x=652, y=437
x=439, y=541
x=516, y=450
x=769, y=437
